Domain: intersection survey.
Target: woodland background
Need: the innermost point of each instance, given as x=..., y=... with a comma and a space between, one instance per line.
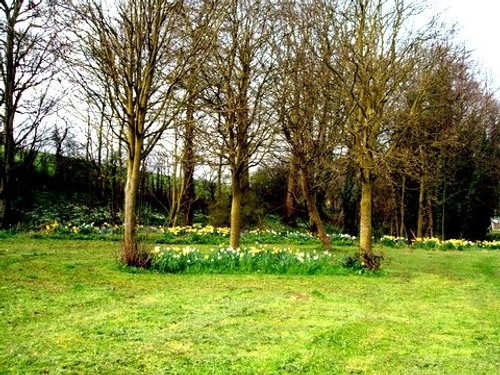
x=291, y=110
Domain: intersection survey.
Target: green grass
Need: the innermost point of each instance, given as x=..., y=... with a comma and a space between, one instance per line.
x=68, y=307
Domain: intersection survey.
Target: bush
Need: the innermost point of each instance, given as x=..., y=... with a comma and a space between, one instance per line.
x=493, y=236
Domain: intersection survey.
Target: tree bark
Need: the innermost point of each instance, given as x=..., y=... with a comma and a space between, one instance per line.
x=130, y=254
x=188, y=164
x=9, y=112
x=402, y=228
x=365, y=225
x=27, y=63
x=6, y=178
x=443, y=215
x=237, y=193
x=313, y=210
x=290, y=217
x=421, y=209
x=430, y=218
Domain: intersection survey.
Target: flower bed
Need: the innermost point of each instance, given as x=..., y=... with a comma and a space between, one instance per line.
x=437, y=244
x=261, y=258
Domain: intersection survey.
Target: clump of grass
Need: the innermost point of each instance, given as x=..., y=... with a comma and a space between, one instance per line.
x=362, y=263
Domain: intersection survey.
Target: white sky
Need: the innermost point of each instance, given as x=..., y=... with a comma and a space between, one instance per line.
x=478, y=25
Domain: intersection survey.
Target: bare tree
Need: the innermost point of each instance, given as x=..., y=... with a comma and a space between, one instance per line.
x=139, y=53
x=435, y=121
x=376, y=53
x=239, y=74
x=309, y=115
x=28, y=58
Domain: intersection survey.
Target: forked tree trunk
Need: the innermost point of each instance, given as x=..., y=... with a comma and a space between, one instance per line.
x=313, y=211
x=365, y=224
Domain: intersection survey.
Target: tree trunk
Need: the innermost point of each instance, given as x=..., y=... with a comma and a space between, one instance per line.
x=188, y=164
x=402, y=228
x=443, y=216
x=4, y=197
x=365, y=225
x=430, y=218
x=421, y=209
x=6, y=181
x=6, y=165
x=349, y=201
x=313, y=211
x=116, y=182
x=290, y=217
x=236, y=193
x=175, y=190
x=130, y=252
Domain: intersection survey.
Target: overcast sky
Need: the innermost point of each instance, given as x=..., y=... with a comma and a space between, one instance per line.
x=478, y=23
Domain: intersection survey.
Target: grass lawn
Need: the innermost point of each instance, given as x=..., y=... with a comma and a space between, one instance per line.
x=67, y=307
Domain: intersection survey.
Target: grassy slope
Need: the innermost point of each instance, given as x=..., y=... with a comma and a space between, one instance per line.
x=66, y=307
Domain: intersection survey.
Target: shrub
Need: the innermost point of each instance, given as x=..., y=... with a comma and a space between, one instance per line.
x=493, y=236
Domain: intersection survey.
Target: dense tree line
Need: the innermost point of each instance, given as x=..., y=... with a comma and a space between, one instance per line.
x=336, y=112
